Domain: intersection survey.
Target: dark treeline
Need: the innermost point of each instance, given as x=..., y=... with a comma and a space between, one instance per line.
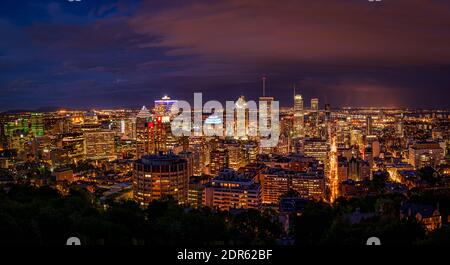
x=42, y=216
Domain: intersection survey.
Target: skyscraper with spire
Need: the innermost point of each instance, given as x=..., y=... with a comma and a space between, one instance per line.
x=298, y=115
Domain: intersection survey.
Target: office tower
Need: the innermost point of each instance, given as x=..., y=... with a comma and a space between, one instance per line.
x=74, y=144
x=218, y=160
x=309, y=185
x=163, y=106
x=250, y=151
x=425, y=153
x=265, y=113
x=241, y=125
x=37, y=124
x=278, y=181
x=316, y=148
x=236, y=157
x=369, y=128
x=198, y=147
x=128, y=128
x=298, y=117
x=160, y=176
x=17, y=132
x=274, y=185
x=314, y=117
x=232, y=190
x=143, y=119
x=100, y=145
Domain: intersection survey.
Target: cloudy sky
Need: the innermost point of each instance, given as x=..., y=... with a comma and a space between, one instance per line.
x=126, y=53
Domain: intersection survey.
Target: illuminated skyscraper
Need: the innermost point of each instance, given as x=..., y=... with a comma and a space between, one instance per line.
x=142, y=132
x=37, y=124
x=218, y=160
x=298, y=116
x=314, y=116
x=163, y=105
x=241, y=126
x=100, y=145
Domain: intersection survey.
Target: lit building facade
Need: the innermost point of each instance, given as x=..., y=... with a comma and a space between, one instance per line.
x=100, y=145
x=160, y=176
x=231, y=190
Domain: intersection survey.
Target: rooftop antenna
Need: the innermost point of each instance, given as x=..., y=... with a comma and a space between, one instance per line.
x=264, y=85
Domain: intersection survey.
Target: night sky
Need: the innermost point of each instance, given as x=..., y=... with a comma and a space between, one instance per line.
x=112, y=53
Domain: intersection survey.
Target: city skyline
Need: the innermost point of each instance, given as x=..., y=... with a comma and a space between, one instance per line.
x=116, y=54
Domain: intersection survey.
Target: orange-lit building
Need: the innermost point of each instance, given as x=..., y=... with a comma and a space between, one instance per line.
x=160, y=176
x=232, y=190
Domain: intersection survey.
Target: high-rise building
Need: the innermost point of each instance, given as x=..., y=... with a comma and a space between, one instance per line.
x=236, y=155
x=37, y=124
x=100, y=145
x=143, y=119
x=160, y=176
x=74, y=144
x=298, y=116
x=218, y=160
x=163, y=106
x=241, y=119
x=314, y=117
x=232, y=190
x=317, y=148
